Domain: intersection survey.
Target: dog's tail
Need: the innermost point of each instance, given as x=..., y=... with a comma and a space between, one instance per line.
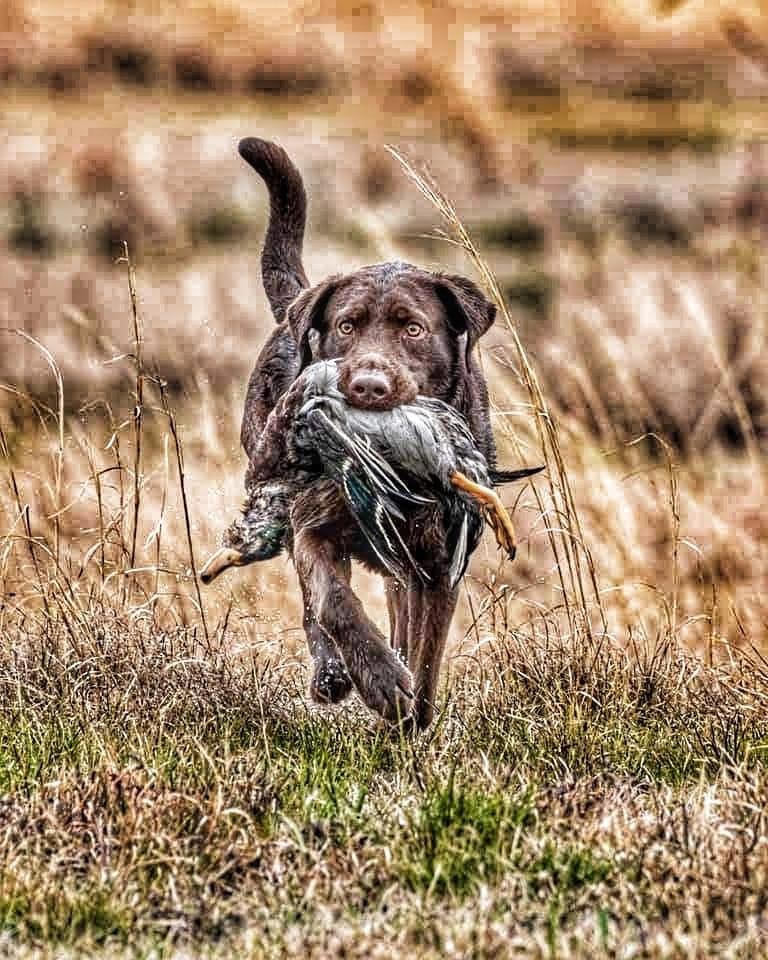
x=281, y=267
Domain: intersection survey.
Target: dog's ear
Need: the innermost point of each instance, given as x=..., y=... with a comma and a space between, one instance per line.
x=305, y=313
x=467, y=307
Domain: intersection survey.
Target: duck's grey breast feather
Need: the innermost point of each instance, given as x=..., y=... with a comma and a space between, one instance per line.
x=427, y=438
x=408, y=437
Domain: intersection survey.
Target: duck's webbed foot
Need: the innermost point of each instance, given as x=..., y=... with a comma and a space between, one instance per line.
x=493, y=510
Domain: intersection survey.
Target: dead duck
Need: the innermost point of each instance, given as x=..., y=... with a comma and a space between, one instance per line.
x=416, y=456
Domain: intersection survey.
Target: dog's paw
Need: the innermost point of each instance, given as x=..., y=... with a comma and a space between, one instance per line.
x=387, y=686
x=330, y=682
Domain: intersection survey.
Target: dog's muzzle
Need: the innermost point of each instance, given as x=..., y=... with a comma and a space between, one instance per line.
x=373, y=382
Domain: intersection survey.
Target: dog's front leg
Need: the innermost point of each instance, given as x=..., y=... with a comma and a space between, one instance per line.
x=380, y=677
x=430, y=611
x=330, y=681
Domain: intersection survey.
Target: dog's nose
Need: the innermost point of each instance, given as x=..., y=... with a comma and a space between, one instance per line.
x=369, y=388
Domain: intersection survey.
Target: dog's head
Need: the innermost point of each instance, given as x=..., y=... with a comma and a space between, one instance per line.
x=399, y=331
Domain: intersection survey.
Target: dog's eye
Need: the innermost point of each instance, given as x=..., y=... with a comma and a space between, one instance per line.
x=414, y=329
x=346, y=328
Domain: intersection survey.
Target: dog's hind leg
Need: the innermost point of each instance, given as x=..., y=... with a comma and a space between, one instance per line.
x=430, y=611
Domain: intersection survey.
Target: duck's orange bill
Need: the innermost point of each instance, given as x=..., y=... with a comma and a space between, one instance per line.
x=222, y=560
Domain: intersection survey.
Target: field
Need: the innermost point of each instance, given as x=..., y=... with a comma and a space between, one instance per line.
x=596, y=782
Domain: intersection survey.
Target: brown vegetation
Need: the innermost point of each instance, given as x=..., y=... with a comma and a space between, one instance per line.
x=596, y=781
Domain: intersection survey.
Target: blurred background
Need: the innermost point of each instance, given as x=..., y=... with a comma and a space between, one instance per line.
x=609, y=160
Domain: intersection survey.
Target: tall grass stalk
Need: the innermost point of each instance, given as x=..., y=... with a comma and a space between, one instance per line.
x=138, y=410
x=23, y=510
x=95, y=476
x=674, y=508
x=58, y=460
x=183, y=489
x=157, y=533
x=575, y=564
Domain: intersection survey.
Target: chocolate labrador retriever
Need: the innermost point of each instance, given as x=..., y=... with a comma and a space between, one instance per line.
x=399, y=331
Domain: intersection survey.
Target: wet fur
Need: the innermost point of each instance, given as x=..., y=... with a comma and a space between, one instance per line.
x=382, y=304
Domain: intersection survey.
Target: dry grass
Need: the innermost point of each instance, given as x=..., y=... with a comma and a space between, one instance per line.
x=442, y=53
x=595, y=784
x=166, y=785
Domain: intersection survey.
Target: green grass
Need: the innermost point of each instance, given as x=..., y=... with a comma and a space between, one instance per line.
x=460, y=837
x=65, y=919
x=141, y=804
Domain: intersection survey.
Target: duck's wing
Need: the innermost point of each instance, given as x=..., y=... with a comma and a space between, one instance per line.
x=372, y=489
x=392, y=483
x=454, y=446
x=425, y=440
x=335, y=431
x=377, y=523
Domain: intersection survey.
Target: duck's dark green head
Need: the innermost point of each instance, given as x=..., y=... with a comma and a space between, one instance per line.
x=259, y=534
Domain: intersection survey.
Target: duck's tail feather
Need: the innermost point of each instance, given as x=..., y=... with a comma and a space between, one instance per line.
x=460, y=558
x=499, y=477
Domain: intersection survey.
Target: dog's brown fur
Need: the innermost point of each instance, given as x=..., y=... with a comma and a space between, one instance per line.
x=398, y=331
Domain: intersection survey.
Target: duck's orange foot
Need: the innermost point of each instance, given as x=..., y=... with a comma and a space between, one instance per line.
x=493, y=509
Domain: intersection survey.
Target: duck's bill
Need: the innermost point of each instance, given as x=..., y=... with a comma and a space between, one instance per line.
x=221, y=560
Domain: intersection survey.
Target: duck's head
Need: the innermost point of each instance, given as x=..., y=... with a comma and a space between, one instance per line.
x=258, y=534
